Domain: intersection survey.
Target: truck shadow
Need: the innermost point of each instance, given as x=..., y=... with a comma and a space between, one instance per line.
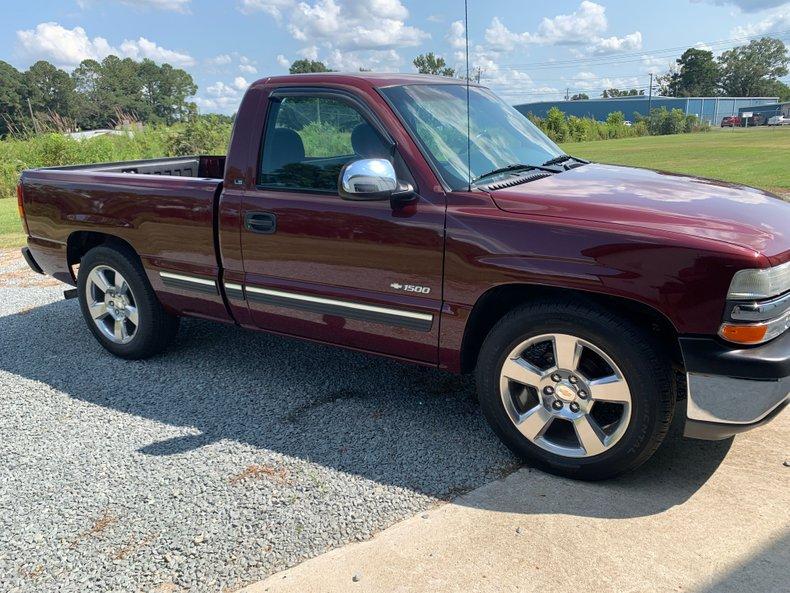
x=392, y=423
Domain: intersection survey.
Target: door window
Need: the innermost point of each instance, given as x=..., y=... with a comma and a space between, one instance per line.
x=309, y=139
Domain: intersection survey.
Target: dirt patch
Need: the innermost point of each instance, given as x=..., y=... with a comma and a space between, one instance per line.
x=255, y=471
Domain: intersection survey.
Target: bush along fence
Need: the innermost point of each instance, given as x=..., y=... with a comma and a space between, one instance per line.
x=562, y=128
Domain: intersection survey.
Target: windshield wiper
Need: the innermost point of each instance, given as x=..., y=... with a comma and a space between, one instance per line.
x=562, y=158
x=508, y=168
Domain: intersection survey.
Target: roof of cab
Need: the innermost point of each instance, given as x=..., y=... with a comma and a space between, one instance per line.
x=375, y=79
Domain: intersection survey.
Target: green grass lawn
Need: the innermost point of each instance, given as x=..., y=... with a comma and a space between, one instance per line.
x=11, y=234
x=760, y=157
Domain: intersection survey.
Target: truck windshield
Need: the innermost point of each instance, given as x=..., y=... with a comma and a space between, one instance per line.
x=435, y=114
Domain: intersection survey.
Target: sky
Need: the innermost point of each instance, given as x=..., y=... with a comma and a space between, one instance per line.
x=527, y=50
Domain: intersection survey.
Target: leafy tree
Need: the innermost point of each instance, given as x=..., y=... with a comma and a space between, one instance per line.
x=12, y=97
x=612, y=93
x=432, y=64
x=752, y=70
x=580, y=97
x=697, y=75
x=307, y=66
x=776, y=88
x=50, y=89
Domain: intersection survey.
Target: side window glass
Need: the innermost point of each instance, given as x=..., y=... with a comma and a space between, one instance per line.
x=309, y=139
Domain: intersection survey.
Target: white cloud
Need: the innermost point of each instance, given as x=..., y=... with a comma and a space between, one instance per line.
x=585, y=26
x=456, y=36
x=143, y=48
x=748, y=5
x=368, y=27
x=220, y=89
x=240, y=83
x=500, y=38
x=377, y=60
x=274, y=8
x=220, y=60
x=775, y=21
x=283, y=61
x=68, y=47
x=588, y=21
x=608, y=45
x=354, y=25
x=247, y=66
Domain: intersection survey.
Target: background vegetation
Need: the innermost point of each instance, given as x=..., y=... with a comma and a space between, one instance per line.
x=95, y=95
x=201, y=135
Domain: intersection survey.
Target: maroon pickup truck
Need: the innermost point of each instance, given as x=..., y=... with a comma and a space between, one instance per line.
x=356, y=210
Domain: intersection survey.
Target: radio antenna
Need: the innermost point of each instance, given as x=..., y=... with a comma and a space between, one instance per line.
x=468, y=126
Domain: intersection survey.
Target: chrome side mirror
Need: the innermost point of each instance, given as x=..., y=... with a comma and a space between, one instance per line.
x=367, y=179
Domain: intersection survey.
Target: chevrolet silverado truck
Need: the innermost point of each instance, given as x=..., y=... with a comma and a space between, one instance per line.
x=391, y=214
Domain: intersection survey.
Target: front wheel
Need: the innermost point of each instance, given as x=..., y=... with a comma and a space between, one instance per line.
x=120, y=306
x=575, y=390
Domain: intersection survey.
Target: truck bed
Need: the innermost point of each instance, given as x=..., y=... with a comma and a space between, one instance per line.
x=202, y=166
x=164, y=209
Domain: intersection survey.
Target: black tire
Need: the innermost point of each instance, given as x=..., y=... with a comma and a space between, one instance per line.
x=156, y=329
x=640, y=358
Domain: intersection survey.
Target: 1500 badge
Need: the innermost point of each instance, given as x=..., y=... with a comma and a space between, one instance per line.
x=411, y=288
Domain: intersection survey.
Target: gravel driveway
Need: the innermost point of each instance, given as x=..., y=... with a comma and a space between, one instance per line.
x=233, y=456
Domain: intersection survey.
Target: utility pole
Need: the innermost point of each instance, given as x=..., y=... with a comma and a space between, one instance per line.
x=650, y=96
x=567, y=93
x=478, y=74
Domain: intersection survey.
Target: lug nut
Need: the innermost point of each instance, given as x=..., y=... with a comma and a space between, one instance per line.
x=556, y=377
x=548, y=390
x=574, y=407
x=572, y=379
x=557, y=405
x=582, y=394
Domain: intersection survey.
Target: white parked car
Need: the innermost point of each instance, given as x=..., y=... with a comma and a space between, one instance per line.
x=779, y=120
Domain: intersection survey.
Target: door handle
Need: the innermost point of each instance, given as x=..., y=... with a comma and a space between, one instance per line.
x=260, y=222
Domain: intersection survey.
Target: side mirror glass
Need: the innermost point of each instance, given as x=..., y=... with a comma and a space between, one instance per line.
x=367, y=179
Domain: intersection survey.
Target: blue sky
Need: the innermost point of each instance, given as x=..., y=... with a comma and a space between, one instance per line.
x=526, y=50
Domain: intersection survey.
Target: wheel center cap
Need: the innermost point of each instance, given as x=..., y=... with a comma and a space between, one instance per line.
x=566, y=393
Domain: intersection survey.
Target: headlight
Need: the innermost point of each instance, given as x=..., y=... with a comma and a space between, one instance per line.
x=760, y=284
x=754, y=313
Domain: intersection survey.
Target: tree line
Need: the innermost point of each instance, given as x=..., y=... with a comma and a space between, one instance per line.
x=97, y=94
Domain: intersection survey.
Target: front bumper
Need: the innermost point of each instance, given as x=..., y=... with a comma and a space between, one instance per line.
x=732, y=390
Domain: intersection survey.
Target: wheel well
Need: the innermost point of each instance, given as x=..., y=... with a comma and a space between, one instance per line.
x=81, y=242
x=494, y=304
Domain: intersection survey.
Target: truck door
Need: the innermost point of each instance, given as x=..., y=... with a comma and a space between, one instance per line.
x=358, y=273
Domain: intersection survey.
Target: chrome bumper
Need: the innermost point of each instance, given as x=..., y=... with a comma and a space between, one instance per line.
x=719, y=407
x=734, y=390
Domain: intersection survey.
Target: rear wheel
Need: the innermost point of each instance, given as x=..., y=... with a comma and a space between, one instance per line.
x=120, y=306
x=575, y=390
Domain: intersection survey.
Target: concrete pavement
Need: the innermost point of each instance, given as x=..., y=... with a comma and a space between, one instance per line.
x=701, y=517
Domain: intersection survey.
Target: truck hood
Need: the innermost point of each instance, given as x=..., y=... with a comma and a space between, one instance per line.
x=641, y=198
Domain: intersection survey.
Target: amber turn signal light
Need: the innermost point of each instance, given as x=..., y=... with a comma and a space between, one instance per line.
x=744, y=334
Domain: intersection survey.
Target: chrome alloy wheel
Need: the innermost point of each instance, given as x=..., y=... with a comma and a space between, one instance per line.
x=112, y=304
x=565, y=395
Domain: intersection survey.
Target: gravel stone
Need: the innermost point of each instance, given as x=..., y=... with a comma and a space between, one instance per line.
x=234, y=455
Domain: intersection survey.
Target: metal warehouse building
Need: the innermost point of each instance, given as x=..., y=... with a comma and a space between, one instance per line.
x=710, y=109
x=769, y=110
